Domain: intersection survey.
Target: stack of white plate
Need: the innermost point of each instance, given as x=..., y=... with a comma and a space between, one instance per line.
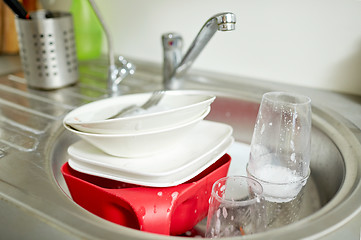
x=157, y=149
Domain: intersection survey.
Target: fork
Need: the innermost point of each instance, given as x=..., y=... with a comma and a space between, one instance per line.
x=152, y=101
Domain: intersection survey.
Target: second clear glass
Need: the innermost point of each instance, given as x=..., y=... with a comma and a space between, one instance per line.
x=236, y=208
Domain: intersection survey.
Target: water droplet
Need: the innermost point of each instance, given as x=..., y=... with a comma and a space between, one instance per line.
x=142, y=211
x=262, y=128
x=175, y=195
x=224, y=212
x=293, y=157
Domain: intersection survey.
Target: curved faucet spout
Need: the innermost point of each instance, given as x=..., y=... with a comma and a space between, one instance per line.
x=174, y=68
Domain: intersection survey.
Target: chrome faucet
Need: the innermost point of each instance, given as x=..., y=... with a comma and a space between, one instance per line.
x=119, y=70
x=174, y=66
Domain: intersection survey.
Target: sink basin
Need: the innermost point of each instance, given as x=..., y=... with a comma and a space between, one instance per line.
x=325, y=189
x=34, y=191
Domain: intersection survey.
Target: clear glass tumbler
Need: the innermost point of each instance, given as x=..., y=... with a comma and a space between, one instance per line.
x=280, y=152
x=236, y=208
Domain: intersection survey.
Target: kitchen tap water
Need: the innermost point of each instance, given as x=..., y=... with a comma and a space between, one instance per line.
x=174, y=65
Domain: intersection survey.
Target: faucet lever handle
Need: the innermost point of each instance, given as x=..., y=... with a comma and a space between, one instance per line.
x=172, y=41
x=117, y=72
x=172, y=53
x=125, y=68
x=126, y=65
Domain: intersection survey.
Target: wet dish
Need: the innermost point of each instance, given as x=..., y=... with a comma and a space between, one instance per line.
x=175, y=108
x=205, y=144
x=140, y=144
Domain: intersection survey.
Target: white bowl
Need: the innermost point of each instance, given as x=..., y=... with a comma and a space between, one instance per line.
x=139, y=144
x=176, y=107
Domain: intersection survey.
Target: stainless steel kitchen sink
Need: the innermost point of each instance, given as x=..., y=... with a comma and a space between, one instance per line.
x=35, y=199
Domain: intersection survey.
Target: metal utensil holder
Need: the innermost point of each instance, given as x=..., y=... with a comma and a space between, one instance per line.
x=47, y=49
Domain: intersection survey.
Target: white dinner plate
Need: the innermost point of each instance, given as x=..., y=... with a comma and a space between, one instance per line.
x=176, y=108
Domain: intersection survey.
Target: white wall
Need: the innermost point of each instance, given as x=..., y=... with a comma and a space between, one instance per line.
x=314, y=43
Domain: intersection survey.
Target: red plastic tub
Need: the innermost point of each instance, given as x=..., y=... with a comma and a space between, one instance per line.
x=168, y=211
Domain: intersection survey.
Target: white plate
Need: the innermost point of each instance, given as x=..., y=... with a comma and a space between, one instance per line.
x=163, y=181
x=175, y=108
x=207, y=143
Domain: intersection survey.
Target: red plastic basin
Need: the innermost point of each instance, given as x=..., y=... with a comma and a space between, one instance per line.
x=168, y=211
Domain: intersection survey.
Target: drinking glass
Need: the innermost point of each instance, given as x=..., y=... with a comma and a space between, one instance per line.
x=236, y=208
x=280, y=152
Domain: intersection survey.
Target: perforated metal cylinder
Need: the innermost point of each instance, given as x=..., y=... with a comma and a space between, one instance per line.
x=47, y=49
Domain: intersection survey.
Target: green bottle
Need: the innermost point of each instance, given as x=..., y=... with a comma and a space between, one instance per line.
x=88, y=30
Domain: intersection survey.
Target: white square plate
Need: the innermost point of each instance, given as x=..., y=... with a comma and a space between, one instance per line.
x=205, y=145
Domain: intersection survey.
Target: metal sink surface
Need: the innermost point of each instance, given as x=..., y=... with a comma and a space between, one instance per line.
x=34, y=199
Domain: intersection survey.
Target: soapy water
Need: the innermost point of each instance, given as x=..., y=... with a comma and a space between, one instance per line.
x=269, y=171
x=281, y=174
x=280, y=184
